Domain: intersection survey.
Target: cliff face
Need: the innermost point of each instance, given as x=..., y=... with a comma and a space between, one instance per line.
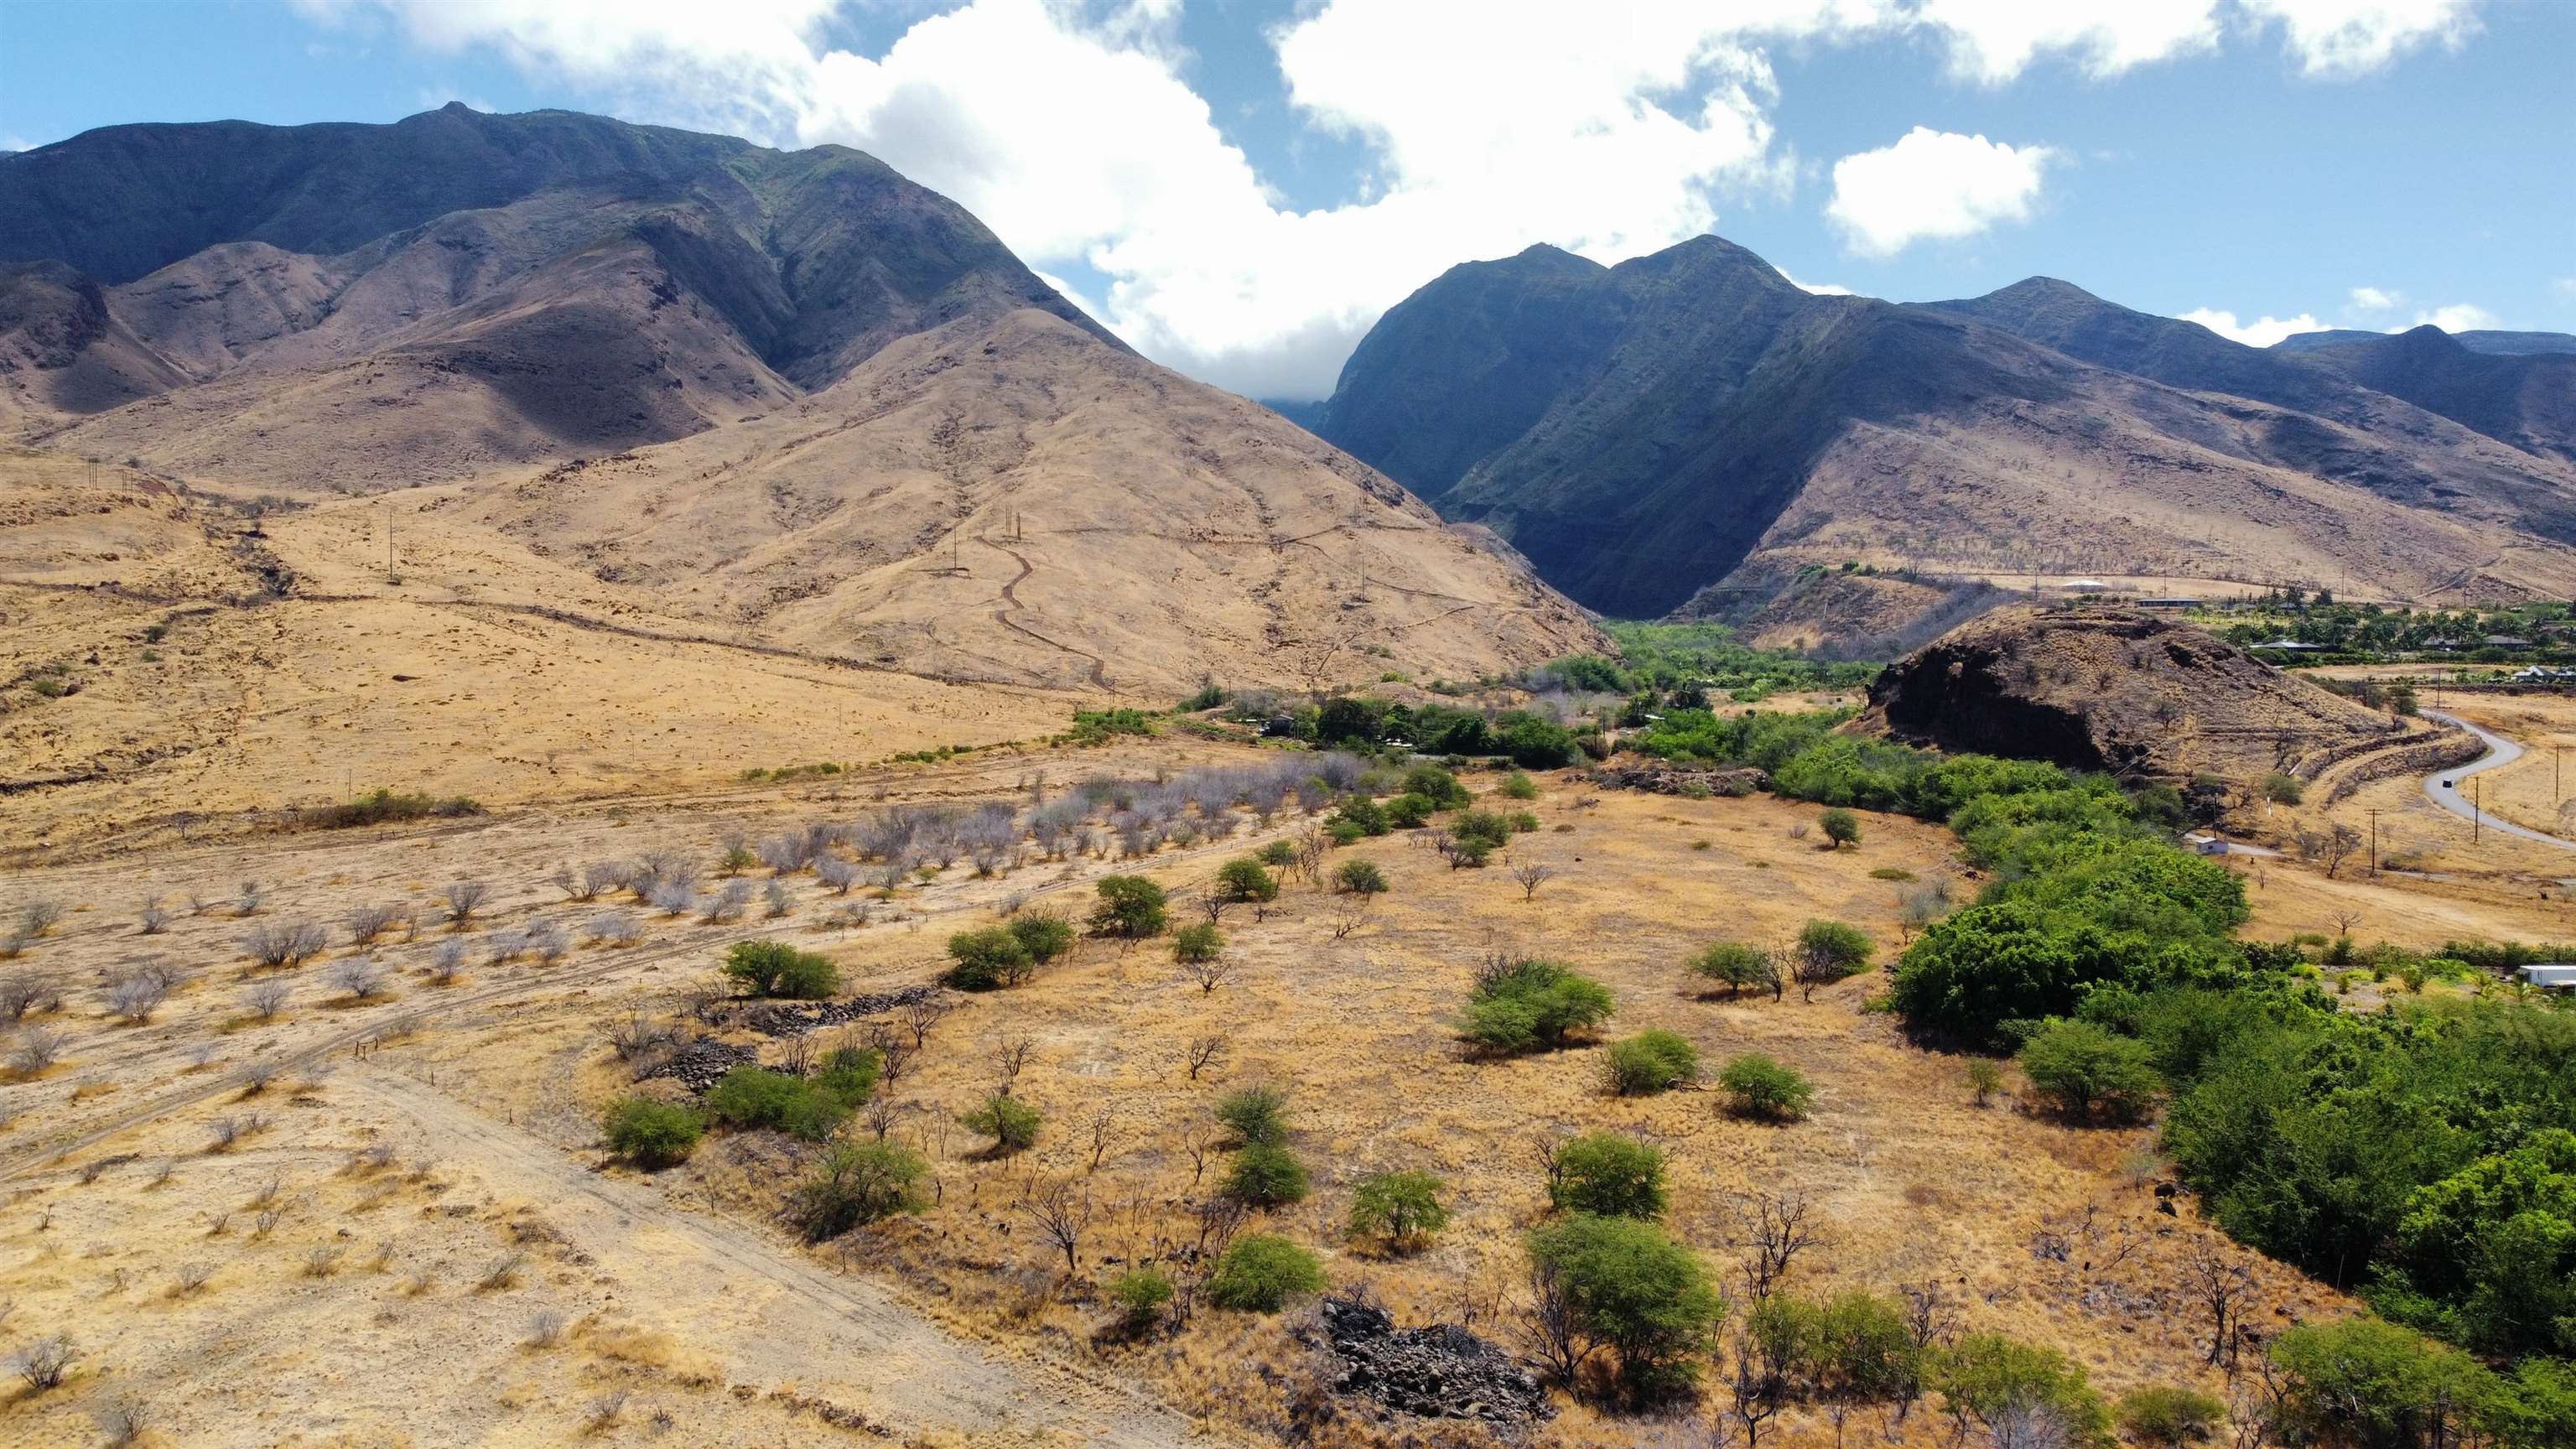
x=2110, y=690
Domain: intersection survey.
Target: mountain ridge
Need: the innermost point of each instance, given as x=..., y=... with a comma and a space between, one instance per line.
x=1689, y=430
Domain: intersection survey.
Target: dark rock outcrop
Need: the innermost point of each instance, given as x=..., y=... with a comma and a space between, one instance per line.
x=1438, y=1372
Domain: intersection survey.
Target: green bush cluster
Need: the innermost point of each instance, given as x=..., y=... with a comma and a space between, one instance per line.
x=856, y=1183
x=652, y=1134
x=1260, y=1272
x=1532, y=1005
x=1650, y=1062
x=1397, y=1208
x=774, y=968
x=808, y=1107
x=1757, y=1086
x=1130, y=906
x=1609, y=1175
x=1012, y=1123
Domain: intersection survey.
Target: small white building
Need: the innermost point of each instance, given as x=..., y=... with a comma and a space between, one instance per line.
x=2550, y=975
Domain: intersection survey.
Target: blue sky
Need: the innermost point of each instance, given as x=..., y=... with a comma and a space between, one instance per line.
x=1241, y=186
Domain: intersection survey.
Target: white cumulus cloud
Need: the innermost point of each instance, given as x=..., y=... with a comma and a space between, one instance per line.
x=2260, y=332
x=1613, y=128
x=1933, y=185
x=2457, y=317
x=2375, y=299
x=2335, y=38
x=1992, y=41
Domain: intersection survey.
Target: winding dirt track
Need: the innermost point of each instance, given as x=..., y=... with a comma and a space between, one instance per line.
x=823, y=1326
x=1011, y=600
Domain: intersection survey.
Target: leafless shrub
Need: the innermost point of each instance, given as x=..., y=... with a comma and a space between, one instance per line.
x=359, y=977
x=502, y=1272
x=248, y=899
x=2223, y=1287
x=447, y=962
x=604, y=1410
x=920, y=1016
x=545, y=1328
x=265, y=999
x=1798, y=831
x=881, y=1115
x=728, y=904
x=1210, y=973
x=321, y=1261
x=836, y=874
x=1012, y=1057
x=161, y=1175
x=44, y=1363
x=37, y=916
x=258, y=1074
x=672, y=898
x=1349, y=913
x=153, y=918
x=546, y=941
x=369, y=922
x=226, y=1132
x=133, y=996
x=267, y=1192
x=774, y=899
x=464, y=898
x=614, y=927
x=635, y=1033
x=267, y=1220
x=1060, y=1213
x=25, y=992
x=1772, y=1228
x=1204, y=1052
x=278, y=946
x=124, y=1421
x=36, y=1049
x=191, y=1278
x=1531, y=875
x=94, y=1169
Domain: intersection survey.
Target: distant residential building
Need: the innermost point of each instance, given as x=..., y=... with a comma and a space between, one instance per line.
x=2505, y=641
x=2169, y=603
x=2551, y=975
x=2292, y=646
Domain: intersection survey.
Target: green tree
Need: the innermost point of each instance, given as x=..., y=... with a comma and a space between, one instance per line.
x=1141, y=1295
x=651, y=1134
x=1130, y=906
x=1245, y=880
x=1265, y=1174
x=1999, y=1382
x=1517, y=786
x=1739, y=967
x=2362, y=1383
x=1360, y=878
x=2495, y=1243
x=990, y=957
x=1841, y=827
x=2087, y=1071
x=1410, y=812
x=1532, y=1005
x=774, y=968
x=2169, y=1417
x=858, y=1182
x=1757, y=1086
x=1255, y=1115
x=1650, y=1062
x=1196, y=943
x=1620, y=1284
x=1607, y=1174
x=1829, y=951
x=1399, y=1208
x=1260, y=1273
x=1011, y=1123
x=1043, y=934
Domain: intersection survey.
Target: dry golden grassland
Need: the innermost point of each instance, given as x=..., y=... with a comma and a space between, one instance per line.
x=684, y=1288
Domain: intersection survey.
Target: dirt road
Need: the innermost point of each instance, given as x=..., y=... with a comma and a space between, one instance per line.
x=840, y=1338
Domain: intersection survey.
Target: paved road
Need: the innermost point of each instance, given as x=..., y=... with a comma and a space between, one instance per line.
x=2448, y=788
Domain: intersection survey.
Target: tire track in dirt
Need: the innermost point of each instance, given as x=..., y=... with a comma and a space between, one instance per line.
x=825, y=1326
x=1011, y=600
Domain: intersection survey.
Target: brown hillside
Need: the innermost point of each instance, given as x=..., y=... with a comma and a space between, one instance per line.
x=1012, y=501
x=2107, y=690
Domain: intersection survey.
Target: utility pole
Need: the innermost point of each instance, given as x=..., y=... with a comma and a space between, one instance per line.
x=2374, y=840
